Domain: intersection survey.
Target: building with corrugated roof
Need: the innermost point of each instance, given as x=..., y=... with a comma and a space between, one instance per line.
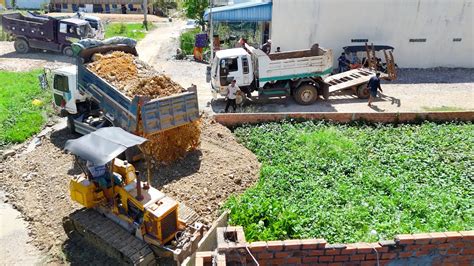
x=98, y=6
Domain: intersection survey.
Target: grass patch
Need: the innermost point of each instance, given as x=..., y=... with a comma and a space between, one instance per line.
x=131, y=30
x=442, y=109
x=19, y=118
x=356, y=183
x=187, y=40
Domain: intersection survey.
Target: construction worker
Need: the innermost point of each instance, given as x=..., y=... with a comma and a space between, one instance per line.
x=267, y=47
x=232, y=90
x=372, y=86
x=343, y=62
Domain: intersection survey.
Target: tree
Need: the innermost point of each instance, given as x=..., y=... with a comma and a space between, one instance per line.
x=194, y=9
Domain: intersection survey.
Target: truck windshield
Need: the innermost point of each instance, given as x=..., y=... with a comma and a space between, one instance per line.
x=85, y=31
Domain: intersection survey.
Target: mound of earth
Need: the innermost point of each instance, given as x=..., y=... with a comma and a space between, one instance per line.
x=37, y=184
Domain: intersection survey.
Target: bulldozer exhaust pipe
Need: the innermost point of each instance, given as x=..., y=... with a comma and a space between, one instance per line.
x=139, y=196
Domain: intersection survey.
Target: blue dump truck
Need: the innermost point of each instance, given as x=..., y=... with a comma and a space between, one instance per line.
x=91, y=102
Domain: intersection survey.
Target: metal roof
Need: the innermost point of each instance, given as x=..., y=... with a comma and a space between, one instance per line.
x=253, y=11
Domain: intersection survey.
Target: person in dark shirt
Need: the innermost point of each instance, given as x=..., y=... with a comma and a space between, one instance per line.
x=344, y=63
x=373, y=85
x=267, y=47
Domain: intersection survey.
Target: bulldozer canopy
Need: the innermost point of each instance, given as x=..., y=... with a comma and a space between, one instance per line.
x=103, y=145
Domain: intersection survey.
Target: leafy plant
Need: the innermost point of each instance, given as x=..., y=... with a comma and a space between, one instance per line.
x=349, y=183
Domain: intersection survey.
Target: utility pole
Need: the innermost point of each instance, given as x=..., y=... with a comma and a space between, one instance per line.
x=211, y=3
x=145, y=12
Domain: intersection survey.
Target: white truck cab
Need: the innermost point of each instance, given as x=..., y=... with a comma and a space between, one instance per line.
x=63, y=83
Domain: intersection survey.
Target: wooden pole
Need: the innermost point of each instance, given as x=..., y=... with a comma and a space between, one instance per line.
x=145, y=12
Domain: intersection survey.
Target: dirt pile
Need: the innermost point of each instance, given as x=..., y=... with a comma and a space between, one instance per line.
x=37, y=185
x=133, y=77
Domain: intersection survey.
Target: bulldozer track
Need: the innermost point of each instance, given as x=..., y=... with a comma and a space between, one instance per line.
x=108, y=236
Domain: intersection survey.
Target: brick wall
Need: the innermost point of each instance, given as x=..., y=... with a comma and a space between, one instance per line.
x=448, y=248
x=237, y=119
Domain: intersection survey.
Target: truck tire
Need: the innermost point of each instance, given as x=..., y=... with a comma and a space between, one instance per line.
x=70, y=124
x=21, y=46
x=306, y=94
x=67, y=51
x=362, y=91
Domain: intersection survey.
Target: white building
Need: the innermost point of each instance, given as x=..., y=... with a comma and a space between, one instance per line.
x=425, y=33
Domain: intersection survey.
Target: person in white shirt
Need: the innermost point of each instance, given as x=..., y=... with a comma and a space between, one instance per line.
x=232, y=90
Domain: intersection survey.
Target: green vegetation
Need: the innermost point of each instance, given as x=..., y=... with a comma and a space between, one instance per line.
x=187, y=40
x=442, y=109
x=194, y=9
x=131, y=30
x=357, y=183
x=19, y=117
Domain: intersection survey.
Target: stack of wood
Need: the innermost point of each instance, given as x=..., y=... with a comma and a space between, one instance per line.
x=133, y=77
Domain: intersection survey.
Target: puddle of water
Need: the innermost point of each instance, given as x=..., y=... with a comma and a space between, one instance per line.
x=14, y=249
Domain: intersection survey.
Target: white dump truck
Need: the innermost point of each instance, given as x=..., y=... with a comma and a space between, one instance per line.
x=302, y=74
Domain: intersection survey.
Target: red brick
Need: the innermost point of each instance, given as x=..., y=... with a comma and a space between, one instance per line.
x=283, y=254
x=459, y=244
x=388, y=256
x=429, y=247
x=336, y=264
x=364, y=248
x=276, y=261
x=438, y=238
x=358, y=257
x=368, y=263
x=422, y=238
x=454, y=251
x=258, y=246
x=422, y=252
x=453, y=236
x=412, y=247
x=310, y=259
x=332, y=251
x=405, y=254
x=405, y=239
x=293, y=260
x=316, y=252
x=312, y=243
x=444, y=246
x=265, y=255
x=293, y=244
x=341, y=258
x=326, y=259
x=467, y=235
x=275, y=245
x=372, y=256
x=350, y=249
x=468, y=251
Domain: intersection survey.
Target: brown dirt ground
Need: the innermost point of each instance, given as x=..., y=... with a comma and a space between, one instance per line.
x=37, y=185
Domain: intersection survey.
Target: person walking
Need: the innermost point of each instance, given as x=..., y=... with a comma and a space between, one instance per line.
x=372, y=86
x=232, y=90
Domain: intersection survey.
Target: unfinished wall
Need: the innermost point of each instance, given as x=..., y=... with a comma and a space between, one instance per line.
x=334, y=23
x=448, y=248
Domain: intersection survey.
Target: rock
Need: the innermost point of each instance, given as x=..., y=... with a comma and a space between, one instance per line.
x=231, y=176
x=8, y=153
x=238, y=181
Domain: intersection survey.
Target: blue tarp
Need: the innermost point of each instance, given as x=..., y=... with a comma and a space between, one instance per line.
x=249, y=12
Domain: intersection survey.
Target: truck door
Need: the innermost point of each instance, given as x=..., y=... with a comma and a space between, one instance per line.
x=68, y=33
x=61, y=91
x=246, y=72
x=230, y=70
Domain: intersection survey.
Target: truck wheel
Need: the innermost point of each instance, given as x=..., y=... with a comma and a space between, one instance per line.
x=362, y=91
x=67, y=51
x=21, y=46
x=70, y=124
x=306, y=94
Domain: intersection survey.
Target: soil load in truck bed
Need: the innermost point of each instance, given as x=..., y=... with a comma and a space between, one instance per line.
x=133, y=77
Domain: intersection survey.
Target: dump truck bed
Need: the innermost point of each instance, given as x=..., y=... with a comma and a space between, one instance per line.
x=291, y=65
x=156, y=114
x=33, y=27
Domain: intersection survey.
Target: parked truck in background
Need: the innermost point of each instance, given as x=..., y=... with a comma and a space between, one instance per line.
x=302, y=74
x=91, y=102
x=33, y=31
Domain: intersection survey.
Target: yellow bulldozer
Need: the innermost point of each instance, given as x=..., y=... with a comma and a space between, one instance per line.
x=125, y=217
